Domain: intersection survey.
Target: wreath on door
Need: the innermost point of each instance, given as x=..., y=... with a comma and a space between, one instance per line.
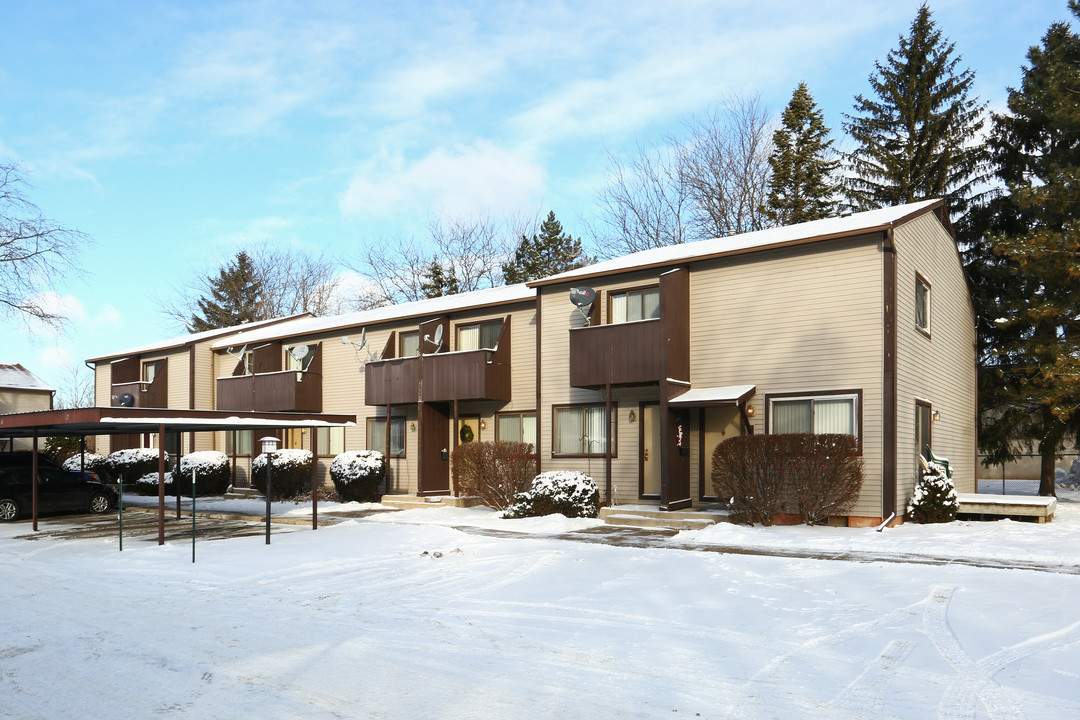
x=466, y=434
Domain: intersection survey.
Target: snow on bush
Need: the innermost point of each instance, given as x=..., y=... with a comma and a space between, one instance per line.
x=291, y=470
x=357, y=474
x=132, y=464
x=567, y=492
x=93, y=463
x=148, y=484
x=934, y=500
x=212, y=473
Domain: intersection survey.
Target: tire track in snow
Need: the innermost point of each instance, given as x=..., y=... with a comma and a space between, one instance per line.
x=865, y=696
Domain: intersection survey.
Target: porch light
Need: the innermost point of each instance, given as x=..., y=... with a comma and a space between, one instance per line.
x=269, y=444
x=483, y=425
x=633, y=416
x=750, y=410
x=936, y=416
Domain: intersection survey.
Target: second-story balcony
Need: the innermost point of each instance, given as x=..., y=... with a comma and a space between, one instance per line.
x=395, y=381
x=281, y=391
x=467, y=375
x=618, y=354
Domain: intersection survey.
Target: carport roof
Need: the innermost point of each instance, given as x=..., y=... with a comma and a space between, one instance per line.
x=120, y=420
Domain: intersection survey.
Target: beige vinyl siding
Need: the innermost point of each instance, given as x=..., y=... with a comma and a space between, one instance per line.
x=102, y=398
x=19, y=401
x=205, y=392
x=796, y=320
x=939, y=369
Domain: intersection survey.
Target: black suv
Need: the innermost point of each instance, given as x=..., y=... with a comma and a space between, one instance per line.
x=58, y=489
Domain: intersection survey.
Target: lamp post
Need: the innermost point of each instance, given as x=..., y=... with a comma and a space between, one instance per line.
x=269, y=447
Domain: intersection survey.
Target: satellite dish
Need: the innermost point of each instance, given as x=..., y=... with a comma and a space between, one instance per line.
x=127, y=400
x=582, y=296
x=437, y=340
x=358, y=346
x=239, y=356
x=299, y=352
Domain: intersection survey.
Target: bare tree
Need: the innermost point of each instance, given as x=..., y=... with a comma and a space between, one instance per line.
x=76, y=388
x=34, y=251
x=711, y=183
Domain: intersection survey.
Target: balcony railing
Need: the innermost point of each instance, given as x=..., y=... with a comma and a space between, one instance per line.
x=392, y=382
x=145, y=394
x=283, y=391
x=619, y=354
x=467, y=375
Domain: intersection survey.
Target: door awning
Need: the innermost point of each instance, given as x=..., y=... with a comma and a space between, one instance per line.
x=712, y=396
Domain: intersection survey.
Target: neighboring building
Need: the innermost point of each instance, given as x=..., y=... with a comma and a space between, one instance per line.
x=860, y=324
x=21, y=391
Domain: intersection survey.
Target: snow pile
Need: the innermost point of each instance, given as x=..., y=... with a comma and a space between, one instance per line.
x=935, y=498
x=566, y=492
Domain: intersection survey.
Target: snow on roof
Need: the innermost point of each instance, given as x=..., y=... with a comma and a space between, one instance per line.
x=430, y=307
x=817, y=229
x=16, y=377
x=195, y=337
x=726, y=395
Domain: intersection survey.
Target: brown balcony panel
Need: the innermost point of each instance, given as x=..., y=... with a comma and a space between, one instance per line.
x=288, y=391
x=466, y=376
x=148, y=395
x=392, y=382
x=620, y=354
x=236, y=393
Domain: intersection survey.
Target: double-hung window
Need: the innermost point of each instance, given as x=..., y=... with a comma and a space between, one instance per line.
x=922, y=304
x=479, y=335
x=516, y=427
x=823, y=413
x=376, y=435
x=331, y=441
x=409, y=344
x=631, y=305
x=581, y=430
x=238, y=442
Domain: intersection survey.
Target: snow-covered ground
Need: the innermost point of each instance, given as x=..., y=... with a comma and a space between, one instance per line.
x=401, y=615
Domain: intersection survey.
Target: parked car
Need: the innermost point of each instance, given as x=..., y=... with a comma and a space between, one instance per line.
x=58, y=489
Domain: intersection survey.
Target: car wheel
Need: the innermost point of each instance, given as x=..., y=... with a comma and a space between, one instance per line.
x=9, y=510
x=99, y=503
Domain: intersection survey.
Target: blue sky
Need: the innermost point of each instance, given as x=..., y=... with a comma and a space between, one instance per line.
x=176, y=133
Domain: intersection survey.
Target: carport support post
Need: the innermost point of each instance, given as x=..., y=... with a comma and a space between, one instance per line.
x=161, y=486
x=315, y=478
x=34, y=481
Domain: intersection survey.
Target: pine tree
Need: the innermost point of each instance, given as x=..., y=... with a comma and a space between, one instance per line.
x=235, y=297
x=545, y=254
x=1030, y=382
x=801, y=187
x=917, y=138
x=438, y=281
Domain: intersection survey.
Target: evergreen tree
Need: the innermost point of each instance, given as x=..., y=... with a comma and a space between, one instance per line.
x=801, y=187
x=235, y=297
x=1030, y=288
x=438, y=281
x=917, y=138
x=545, y=254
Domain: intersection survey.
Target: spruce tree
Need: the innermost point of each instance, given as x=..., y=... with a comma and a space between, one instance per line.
x=235, y=297
x=439, y=281
x=545, y=254
x=802, y=186
x=916, y=138
x=1030, y=287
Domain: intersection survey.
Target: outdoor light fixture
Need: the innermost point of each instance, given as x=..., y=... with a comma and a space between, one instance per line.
x=936, y=416
x=750, y=410
x=412, y=427
x=633, y=416
x=269, y=447
x=483, y=425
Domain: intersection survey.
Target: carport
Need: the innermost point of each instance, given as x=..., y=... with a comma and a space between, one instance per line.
x=82, y=422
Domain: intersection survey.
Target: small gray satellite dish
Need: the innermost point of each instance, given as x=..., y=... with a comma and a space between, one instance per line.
x=299, y=352
x=582, y=296
x=437, y=340
x=127, y=400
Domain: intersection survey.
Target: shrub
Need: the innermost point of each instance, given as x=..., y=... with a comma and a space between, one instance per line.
x=934, y=500
x=826, y=473
x=60, y=448
x=291, y=473
x=148, y=484
x=747, y=475
x=131, y=464
x=493, y=471
x=573, y=494
x=93, y=463
x=357, y=474
x=212, y=473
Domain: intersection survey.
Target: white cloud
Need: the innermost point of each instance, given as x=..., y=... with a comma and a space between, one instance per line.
x=462, y=181
x=56, y=358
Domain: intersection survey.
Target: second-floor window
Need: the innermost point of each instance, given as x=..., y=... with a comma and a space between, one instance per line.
x=631, y=305
x=150, y=370
x=409, y=344
x=479, y=335
x=922, y=304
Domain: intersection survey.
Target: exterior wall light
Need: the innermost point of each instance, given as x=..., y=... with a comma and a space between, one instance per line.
x=750, y=410
x=633, y=416
x=936, y=416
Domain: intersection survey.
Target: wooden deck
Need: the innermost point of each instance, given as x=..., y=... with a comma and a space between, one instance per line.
x=1040, y=509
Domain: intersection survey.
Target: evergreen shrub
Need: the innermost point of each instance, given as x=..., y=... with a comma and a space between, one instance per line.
x=570, y=493
x=934, y=499
x=212, y=473
x=357, y=475
x=291, y=470
x=132, y=464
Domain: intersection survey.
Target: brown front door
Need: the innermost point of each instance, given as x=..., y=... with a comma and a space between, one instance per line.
x=434, y=440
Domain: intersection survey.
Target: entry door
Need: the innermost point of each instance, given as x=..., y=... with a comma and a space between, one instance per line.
x=650, y=451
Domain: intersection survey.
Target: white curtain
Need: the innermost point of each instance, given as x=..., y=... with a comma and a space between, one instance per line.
x=468, y=337
x=568, y=431
x=508, y=428
x=650, y=304
x=834, y=416
x=791, y=416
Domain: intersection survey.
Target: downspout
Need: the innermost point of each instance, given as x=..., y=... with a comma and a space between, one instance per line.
x=607, y=442
x=889, y=379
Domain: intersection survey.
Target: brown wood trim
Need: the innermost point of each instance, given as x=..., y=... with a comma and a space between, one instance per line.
x=929, y=426
x=889, y=380
x=539, y=385
x=929, y=302
x=386, y=440
x=613, y=429
x=702, y=450
x=388, y=352
x=818, y=393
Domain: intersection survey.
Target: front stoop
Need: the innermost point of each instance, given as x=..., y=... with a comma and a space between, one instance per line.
x=650, y=516
x=411, y=502
x=242, y=493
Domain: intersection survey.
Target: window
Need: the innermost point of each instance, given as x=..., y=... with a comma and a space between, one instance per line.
x=579, y=430
x=172, y=442
x=291, y=363
x=150, y=370
x=376, y=435
x=293, y=439
x=634, y=305
x=238, y=442
x=331, y=441
x=479, y=335
x=814, y=414
x=409, y=344
x=516, y=427
x=923, y=415
x=922, y=304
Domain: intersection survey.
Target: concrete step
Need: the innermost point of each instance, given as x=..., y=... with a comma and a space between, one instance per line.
x=243, y=494
x=651, y=516
x=411, y=502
